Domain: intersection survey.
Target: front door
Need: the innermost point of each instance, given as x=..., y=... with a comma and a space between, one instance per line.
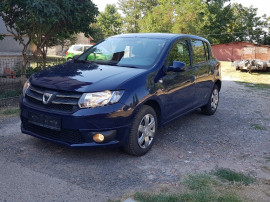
x=178, y=87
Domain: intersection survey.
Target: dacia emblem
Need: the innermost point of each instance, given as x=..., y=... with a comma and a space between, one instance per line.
x=46, y=98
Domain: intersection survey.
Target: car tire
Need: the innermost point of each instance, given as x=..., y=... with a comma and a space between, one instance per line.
x=69, y=59
x=142, y=133
x=212, y=104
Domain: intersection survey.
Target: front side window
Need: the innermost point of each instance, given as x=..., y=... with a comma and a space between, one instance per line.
x=179, y=52
x=199, y=53
x=127, y=51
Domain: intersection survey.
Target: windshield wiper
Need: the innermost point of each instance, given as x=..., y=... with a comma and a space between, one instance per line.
x=130, y=66
x=85, y=61
x=113, y=63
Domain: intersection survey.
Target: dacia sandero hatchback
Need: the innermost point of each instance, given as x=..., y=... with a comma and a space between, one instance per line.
x=119, y=91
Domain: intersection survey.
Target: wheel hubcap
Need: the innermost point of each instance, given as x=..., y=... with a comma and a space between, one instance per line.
x=146, y=131
x=214, y=99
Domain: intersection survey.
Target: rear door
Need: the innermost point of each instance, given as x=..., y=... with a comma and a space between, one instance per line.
x=202, y=66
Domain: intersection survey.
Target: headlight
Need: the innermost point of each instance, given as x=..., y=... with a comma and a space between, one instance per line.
x=25, y=87
x=99, y=99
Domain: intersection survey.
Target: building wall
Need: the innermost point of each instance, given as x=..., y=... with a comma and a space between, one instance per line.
x=241, y=50
x=9, y=44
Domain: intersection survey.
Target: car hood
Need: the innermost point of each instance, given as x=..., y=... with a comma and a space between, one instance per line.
x=84, y=77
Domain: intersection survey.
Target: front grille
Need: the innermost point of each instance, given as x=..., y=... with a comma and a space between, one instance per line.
x=61, y=101
x=64, y=135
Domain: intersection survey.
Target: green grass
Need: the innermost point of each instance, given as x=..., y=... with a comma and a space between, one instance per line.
x=11, y=111
x=146, y=197
x=195, y=196
x=260, y=78
x=258, y=126
x=200, y=189
x=259, y=86
x=10, y=93
x=228, y=198
x=199, y=182
x=233, y=176
x=208, y=196
x=8, y=112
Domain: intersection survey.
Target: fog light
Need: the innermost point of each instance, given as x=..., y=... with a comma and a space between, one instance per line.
x=98, y=137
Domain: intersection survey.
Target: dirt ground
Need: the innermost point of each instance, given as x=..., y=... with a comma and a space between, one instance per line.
x=236, y=137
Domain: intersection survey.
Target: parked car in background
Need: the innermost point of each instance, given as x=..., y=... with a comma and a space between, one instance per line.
x=137, y=83
x=77, y=49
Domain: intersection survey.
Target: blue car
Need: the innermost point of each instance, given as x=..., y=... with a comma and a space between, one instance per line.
x=142, y=81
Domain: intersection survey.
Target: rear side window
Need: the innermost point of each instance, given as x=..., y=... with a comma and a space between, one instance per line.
x=199, y=52
x=78, y=48
x=179, y=52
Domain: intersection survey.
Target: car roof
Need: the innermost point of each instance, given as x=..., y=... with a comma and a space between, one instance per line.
x=168, y=36
x=82, y=45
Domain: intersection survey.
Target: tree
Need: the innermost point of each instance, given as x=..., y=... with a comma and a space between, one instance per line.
x=2, y=37
x=217, y=20
x=45, y=20
x=246, y=24
x=135, y=10
x=175, y=16
x=159, y=19
x=219, y=17
x=265, y=39
x=110, y=21
x=97, y=33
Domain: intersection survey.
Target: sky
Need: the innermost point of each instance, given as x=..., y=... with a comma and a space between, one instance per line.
x=262, y=5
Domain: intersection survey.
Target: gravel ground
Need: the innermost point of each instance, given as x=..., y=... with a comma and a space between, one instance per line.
x=236, y=137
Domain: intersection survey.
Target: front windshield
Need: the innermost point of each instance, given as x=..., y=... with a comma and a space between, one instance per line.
x=126, y=51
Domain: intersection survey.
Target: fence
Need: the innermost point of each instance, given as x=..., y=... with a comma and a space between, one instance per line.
x=10, y=89
x=11, y=80
x=8, y=65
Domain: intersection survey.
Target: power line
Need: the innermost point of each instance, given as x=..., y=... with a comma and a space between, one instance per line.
x=246, y=32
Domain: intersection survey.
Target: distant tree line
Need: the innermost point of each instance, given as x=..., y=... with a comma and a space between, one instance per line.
x=54, y=22
x=217, y=20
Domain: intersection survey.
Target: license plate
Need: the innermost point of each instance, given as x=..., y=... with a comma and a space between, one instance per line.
x=46, y=121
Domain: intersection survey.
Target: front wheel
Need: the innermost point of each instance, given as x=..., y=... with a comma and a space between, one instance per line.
x=211, y=107
x=142, y=132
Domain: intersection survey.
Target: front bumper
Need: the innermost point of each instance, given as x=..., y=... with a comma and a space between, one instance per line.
x=77, y=129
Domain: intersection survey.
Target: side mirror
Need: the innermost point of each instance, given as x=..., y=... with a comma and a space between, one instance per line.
x=177, y=67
